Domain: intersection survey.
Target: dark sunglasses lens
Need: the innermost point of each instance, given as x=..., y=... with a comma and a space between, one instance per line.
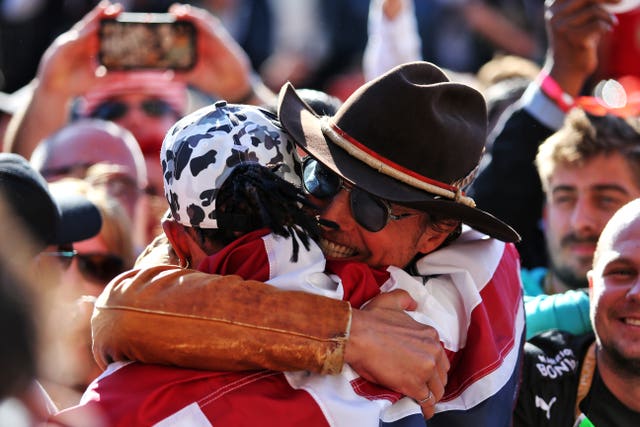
x=156, y=107
x=318, y=180
x=369, y=211
x=65, y=261
x=100, y=267
x=63, y=256
x=110, y=110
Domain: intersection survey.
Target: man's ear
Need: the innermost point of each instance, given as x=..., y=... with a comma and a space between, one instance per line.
x=434, y=236
x=590, y=280
x=181, y=241
x=543, y=218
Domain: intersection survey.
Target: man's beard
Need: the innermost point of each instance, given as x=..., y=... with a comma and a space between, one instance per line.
x=625, y=366
x=565, y=273
x=569, y=278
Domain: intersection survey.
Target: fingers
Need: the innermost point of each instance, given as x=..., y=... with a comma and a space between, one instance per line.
x=433, y=390
x=436, y=386
x=443, y=367
x=388, y=347
x=579, y=18
x=397, y=299
x=428, y=405
x=90, y=21
x=574, y=29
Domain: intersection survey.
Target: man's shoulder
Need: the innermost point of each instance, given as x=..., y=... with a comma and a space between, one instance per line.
x=551, y=372
x=554, y=340
x=477, y=263
x=555, y=354
x=533, y=280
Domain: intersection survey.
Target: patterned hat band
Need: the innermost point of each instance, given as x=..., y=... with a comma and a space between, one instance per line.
x=389, y=168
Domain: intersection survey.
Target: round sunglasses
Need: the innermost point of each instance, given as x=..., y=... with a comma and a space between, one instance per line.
x=371, y=212
x=95, y=267
x=114, y=110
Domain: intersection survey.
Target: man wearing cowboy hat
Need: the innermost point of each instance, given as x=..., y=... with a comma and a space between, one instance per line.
x=402, y=148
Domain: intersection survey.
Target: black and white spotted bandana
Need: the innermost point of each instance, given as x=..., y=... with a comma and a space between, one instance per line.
x=201, y=150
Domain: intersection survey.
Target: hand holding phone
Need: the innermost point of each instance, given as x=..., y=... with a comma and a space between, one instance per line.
x=147, y=41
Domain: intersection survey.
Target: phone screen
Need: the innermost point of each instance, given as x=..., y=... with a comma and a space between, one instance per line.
x=151, y=41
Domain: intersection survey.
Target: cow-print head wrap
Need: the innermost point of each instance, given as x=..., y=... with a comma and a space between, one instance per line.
x=202, y=149
x=233, y=168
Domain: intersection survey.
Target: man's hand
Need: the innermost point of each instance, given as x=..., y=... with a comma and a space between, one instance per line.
x=69, y=64
x=223, y=68
x=574, y=30
x=67, y=69
x=388, y=347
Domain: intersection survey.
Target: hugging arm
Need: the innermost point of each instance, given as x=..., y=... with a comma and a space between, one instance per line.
x=168, y=315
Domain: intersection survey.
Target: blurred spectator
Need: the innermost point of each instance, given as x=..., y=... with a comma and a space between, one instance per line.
x=588, y=169
x=502, y=81
x=22, y=400
x=509, y=186
x=300, y=44
x=394, y=38
x=592, y=379
x=250, y=23
x=26, y=29
x=146, y=103
x=10, y=103
x=457, y=35
x=345, y=26
x=108, y=156
x=32, y=220
x=67, y=361
x=51, y=220
x=586, y=178
x=77, y=146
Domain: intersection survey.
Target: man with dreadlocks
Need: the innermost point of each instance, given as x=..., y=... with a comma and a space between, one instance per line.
x=231, y=176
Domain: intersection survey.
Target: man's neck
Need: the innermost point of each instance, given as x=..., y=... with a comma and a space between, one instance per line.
x=623, y=385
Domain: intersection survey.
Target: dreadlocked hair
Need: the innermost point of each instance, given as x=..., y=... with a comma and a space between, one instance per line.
x=254, y=197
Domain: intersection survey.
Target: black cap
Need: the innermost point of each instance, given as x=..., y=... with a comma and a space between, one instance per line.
x=52, y=220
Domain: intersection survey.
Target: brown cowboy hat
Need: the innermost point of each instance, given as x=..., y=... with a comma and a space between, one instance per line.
x=411, y=136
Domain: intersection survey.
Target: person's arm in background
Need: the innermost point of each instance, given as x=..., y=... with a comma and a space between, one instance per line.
x=492, y=24
x=509, y=186
x=223, y=69
x=393, y=37
x=69, y=69
x=568, y=311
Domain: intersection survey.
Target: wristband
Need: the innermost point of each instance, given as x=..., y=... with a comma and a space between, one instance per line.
x=552, y=89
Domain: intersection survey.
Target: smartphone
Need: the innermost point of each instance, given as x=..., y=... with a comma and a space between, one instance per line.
x=147, y=41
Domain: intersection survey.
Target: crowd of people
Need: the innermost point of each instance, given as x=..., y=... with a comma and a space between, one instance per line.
x=198, y=247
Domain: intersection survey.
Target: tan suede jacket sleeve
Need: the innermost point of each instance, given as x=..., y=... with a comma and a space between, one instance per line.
x=170, y=315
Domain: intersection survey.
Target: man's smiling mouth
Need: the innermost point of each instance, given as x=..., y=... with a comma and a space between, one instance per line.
x=335, y=250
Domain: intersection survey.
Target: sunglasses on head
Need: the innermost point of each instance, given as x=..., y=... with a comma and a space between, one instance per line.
x=113, y=110
x=371, y=212
x=95, y=267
